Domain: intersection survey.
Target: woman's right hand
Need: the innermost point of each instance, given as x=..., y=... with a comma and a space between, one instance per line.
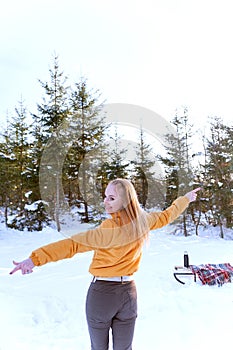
x=26, y=266
x=192, y=195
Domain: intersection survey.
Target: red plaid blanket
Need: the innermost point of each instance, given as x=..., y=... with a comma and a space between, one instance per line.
x=213, y=273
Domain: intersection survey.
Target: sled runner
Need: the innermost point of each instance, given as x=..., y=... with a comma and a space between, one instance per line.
x=183, y=271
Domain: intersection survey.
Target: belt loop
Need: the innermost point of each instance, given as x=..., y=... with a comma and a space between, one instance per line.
x=121, y=279
x=93, y=279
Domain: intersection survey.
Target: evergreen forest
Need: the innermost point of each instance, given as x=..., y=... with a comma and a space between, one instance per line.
x=59, y=160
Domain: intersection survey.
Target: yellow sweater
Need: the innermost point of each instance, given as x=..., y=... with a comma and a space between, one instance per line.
x=111, y=257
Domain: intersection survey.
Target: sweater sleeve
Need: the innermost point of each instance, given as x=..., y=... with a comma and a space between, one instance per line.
x=103, y=236
x=165, y=217
x=59, y=250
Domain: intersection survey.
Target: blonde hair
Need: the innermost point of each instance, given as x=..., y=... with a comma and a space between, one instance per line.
x=132, y=215
x=130, y=223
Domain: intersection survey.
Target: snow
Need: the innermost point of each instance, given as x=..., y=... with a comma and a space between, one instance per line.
x=45, y=310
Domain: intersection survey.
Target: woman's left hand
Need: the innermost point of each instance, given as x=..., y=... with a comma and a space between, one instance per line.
x=26, y=266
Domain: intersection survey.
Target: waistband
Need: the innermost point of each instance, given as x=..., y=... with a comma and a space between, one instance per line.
x=120, y=279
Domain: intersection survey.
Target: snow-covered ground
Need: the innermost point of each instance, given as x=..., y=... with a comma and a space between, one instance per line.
x=45, y=310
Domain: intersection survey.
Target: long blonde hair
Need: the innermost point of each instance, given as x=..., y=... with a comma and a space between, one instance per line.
x=132, y=216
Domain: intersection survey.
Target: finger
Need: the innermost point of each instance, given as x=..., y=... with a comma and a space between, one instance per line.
x=197, y=189
x=18, y=267
x=14, y=270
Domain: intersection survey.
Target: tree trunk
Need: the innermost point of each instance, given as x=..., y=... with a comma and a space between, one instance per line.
x=86, y=214
x=185, y=225
x=6, y=212
x=221, y=229
x=57, y=204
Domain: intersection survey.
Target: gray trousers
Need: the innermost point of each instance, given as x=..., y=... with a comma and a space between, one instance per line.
x=111, y=305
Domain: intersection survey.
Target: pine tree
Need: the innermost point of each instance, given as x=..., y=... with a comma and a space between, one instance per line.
x=7, y=175
x=20, y=147
x=18, y=183
x=117, y=165
x=54, y=108
x=148, y=189
x=35, y=153
x=218, y=170
x=86, y=131
x=177, y=163
x=52, y=112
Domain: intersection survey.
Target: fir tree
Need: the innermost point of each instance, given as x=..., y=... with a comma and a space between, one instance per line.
x=16, y=165
x=86, y=130
x=54, y=108
x=218, y=171
x=7, y=174
x=117, y=165
x=52, y=112
x=177, y=163
x=148, y=189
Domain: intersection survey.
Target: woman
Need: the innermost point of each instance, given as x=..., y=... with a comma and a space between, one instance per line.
x=117, y=244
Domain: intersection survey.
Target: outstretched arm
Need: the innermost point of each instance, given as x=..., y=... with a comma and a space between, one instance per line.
x=160, y=219
x=55, y=251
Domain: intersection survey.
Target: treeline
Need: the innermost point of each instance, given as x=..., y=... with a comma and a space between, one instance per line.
x=63, y=160
x=208, y=163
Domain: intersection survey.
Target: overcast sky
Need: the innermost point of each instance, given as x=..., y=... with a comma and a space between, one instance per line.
x=159, y=54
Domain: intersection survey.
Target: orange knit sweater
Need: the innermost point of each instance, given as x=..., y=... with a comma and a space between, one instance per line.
x=111, y=256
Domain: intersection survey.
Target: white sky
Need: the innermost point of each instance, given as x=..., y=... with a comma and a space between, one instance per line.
x=159, y=54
